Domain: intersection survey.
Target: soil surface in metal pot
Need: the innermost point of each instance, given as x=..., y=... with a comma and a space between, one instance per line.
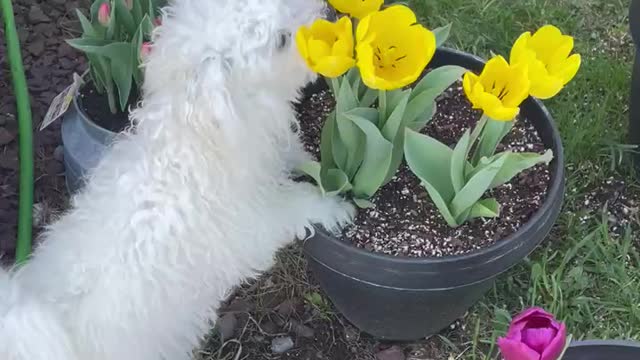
x=96, y=105
x=404, y=221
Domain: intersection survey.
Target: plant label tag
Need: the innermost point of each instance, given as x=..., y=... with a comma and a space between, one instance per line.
x=61, y=102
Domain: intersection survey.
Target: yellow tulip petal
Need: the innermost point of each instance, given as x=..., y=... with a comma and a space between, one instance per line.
x=562, y=51
x=365, y=8
x=342, y=47
x=520, y=50
x=546, y=88
x=468, y=81
x=493, y=108
x=301, y=42
x=318, y=49
x=363, y=28
x=545, y=41
x=334, y=66
x=343, y=6
x=400, y=15
x=568, y=69
x=518, y=86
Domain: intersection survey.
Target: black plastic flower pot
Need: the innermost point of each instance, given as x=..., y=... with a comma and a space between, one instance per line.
x=401, y=298
x=603, y=350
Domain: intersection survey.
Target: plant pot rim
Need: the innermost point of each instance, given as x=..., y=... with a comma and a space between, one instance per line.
x=555, y=190
x=88, y=121
x=606, y=343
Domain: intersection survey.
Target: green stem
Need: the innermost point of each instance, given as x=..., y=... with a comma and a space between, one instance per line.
x=492, y=133
x=25, y=128
x=382, y=107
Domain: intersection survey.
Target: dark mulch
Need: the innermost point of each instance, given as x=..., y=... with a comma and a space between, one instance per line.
x=43, y=25
x=405, y=222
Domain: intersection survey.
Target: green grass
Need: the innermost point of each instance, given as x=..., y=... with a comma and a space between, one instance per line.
x=586, y=276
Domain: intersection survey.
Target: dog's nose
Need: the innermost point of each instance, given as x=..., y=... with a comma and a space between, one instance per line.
x=330, y=13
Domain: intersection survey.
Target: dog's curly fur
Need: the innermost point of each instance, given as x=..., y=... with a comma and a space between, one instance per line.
x=193, y=201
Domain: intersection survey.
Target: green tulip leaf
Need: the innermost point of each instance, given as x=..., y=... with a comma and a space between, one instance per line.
x=336, y=182
x=430, y=160
x=369, y=97
x=442, y=34
x=493, y=133
x=459, y=161
x=394, y=122
x=124, y=17
x=514, y=163
x=347, y=131
x=366, y=113
x=363, y=203
x=136, y=11
x=475, y=188
x=436, y=81
x=487, y=208
x=87, y=28
x=312, y=169
x=326, y=142
x=377, y=156
x=441, y=204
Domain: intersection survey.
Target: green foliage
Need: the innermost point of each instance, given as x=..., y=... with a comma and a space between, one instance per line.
x=113, y=49
x=454, y=184
x=362, y=147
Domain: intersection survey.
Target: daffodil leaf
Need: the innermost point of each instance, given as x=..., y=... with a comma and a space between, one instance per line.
x=492, y=134
x=475, y=188
x=363, y=203
x=436, y=81
x=514, y=163
x=377, y=156
x=486, y=208
x=429, y=160
x=442, y=34
x=459, y=161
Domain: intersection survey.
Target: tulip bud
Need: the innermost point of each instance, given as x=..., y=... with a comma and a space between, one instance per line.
x=145, y=50
x=104, y=14
x=534, y=334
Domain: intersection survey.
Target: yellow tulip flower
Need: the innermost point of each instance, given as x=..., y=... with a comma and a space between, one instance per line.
x=499, y=90
x=392, y=49
x=357, y=8
x=547, y=53
x=327, y=47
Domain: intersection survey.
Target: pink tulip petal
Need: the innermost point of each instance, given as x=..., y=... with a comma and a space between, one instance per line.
x=515, y=350
x=534, y=311
x=555, y=347
x=538, y=338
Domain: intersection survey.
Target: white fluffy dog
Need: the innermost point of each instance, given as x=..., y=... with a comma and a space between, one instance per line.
x=191, y=203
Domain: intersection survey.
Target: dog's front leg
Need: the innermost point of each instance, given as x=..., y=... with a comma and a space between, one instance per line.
x=304, y=206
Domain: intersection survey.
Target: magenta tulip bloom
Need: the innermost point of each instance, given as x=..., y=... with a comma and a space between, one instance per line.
x=533, y=335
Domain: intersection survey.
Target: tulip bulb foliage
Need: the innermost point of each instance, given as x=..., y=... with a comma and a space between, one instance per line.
x=362, y=146
x=115, y=40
